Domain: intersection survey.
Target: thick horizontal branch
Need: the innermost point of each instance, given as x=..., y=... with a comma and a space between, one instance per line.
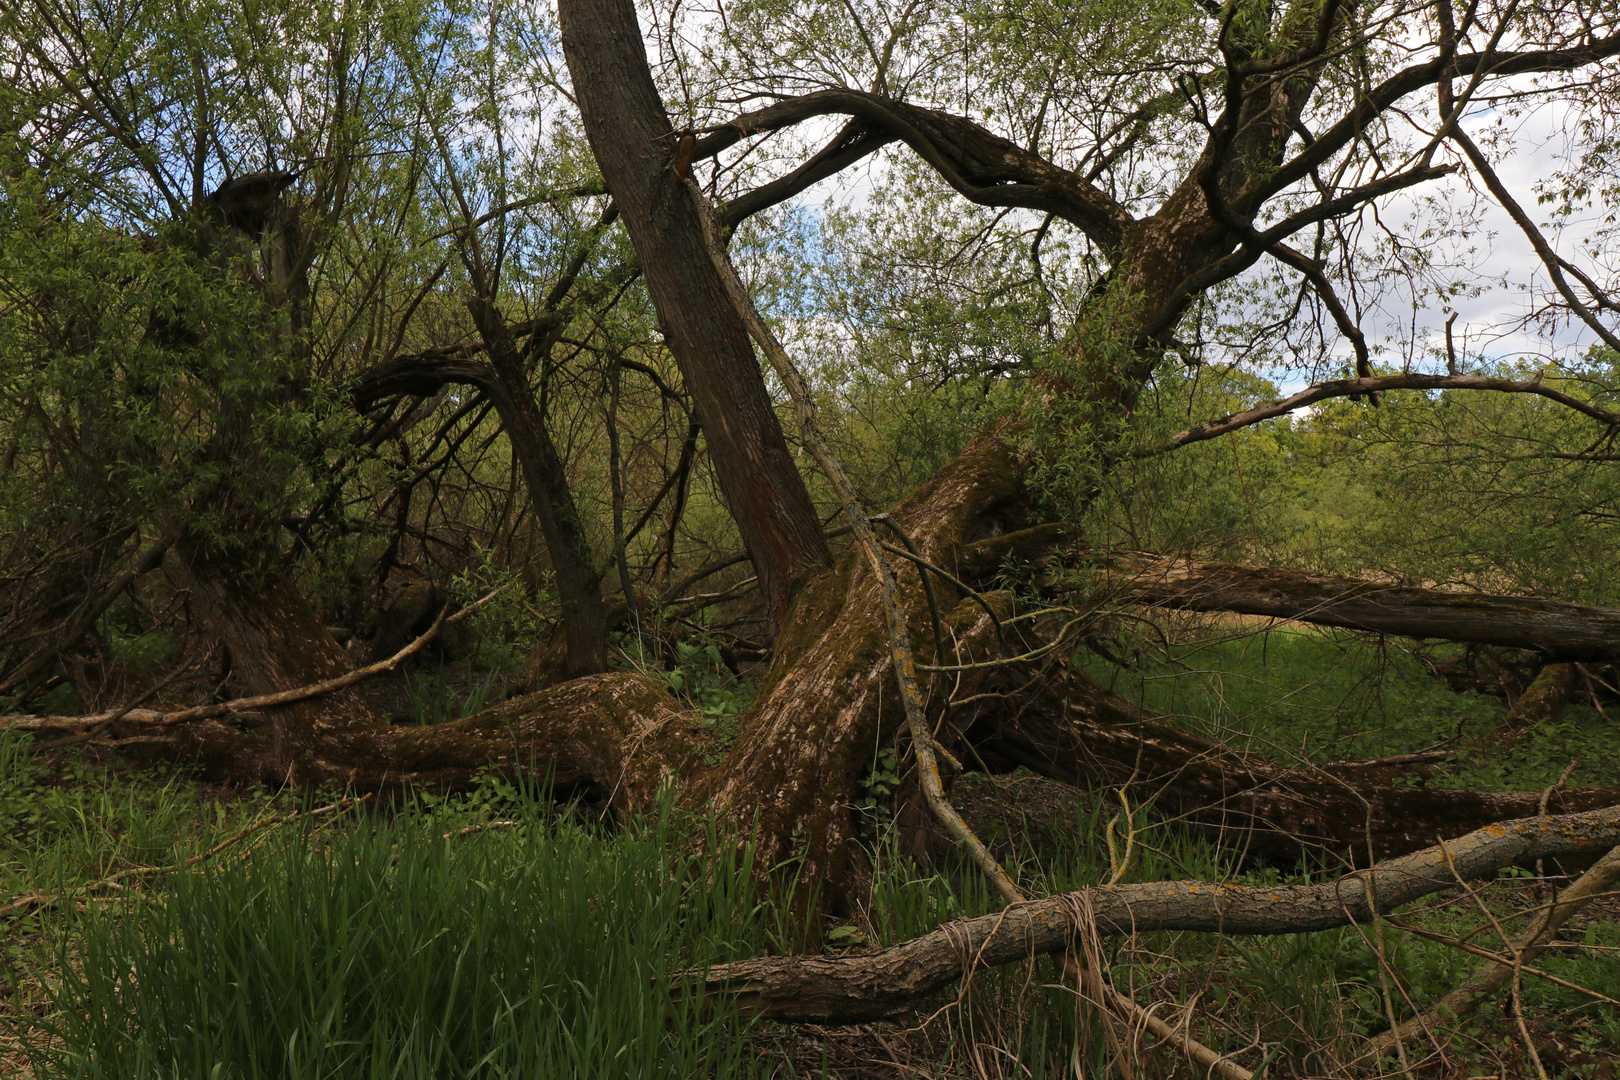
x=1339, y=388
x=425, y=374
x=1559, y=631
x=853, y=989
x=980, y=165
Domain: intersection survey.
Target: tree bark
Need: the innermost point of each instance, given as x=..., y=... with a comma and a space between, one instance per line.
x=1557, y=630
x=828, y=705
x=635, y=145
x=579, y=587
x=1542, y=701
x=892, y=982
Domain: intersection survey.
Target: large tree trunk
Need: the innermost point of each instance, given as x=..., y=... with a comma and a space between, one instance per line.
x=1557, y=630
x=828, y=704
x=271, y=641
x=635, y=146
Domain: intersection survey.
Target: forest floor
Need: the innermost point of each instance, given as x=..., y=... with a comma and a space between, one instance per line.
x=158, y=926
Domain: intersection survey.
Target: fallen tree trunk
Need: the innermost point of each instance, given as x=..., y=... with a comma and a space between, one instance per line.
x=885, y=984
x=1068, y=728
x=1542, y=701
x=1559, y=631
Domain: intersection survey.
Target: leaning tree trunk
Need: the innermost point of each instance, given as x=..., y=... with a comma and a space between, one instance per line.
x=579, y=586
x=828, y=704
x=635, y=147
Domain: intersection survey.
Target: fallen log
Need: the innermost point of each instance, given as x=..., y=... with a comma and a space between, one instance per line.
x=1559, y=631
x=1542, y=702
x=893, y=981
x=1071, y=730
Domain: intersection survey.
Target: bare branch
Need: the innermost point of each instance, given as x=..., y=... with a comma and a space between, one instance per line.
x=1549, y=258
x=982, y=166
x=850, y=989
x=1338, y=388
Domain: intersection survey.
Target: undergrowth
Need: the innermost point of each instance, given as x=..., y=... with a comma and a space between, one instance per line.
x=433, y=941
x=492, y=934
x=1297, y=693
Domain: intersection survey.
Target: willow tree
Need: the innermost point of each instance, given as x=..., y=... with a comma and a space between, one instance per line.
x=1183, y=152
x=1264, y=124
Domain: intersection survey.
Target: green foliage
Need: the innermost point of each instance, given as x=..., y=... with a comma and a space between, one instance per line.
x=1227, y=498
x=1499, y=492
x=877, y=790
x=502, y=628
x=436, y=700
x=141, y=652
x=395, y=950
x=1293, y=693
x=701, y=678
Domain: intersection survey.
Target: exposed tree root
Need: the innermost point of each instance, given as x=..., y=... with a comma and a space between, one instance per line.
x=854, y=989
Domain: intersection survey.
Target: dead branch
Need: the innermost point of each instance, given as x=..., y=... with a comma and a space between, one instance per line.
x=853, y=989
x=1474, y=990
x=1559, y=631
x=236, y=706
x=1337, y=388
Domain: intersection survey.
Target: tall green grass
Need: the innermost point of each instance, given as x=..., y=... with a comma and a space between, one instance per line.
x=1297, y=693
x=389, y=949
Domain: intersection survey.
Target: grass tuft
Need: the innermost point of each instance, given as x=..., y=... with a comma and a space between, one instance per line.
x=404, y=948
